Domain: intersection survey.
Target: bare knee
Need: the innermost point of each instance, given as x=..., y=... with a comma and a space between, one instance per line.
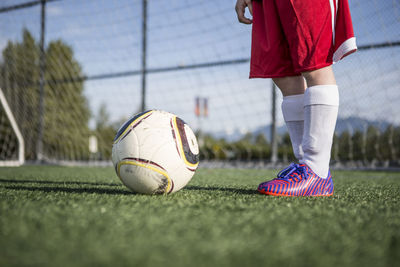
x=321, y=76
x=290, y=85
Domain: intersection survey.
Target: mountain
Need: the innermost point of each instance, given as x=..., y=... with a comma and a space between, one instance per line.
x=350, y=124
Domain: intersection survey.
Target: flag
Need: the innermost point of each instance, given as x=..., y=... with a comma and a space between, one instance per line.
x=205, y=107
x=197, y=106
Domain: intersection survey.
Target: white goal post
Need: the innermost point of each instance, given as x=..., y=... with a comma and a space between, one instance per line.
x=21, y=153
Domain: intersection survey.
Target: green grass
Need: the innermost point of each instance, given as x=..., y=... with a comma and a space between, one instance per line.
x=63, y=216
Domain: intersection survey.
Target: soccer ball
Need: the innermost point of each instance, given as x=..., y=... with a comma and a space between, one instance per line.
x=155, y=152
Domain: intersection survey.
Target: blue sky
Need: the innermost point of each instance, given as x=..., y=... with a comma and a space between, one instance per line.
x=106, y=38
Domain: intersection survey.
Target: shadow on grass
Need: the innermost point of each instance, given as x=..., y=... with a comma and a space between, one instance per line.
x=71, y=190
x=23, y=185
x=223, y=189
x=19, y=185
x=56, y=182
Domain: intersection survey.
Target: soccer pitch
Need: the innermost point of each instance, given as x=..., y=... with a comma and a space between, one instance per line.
x=64, y=216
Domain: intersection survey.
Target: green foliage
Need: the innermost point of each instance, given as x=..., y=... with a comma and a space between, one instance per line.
x=58, y=216
x=285, y=151
x=247, y=148
x=8, y=140
x=371, y=145
x=387, y=148
x=345, y=146
x=396, y=142
x=358, y=141
x=20, y=77
x=66, y=113
x=105, y=134
x=372, y=148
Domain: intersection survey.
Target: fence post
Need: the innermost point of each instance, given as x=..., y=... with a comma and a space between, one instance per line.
x=274, y=141
x=39, y=145
x=144, y=50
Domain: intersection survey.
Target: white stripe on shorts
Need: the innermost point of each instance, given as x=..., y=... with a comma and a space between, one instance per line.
x=333, y=16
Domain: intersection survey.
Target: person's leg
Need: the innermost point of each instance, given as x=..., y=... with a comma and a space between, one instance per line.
x=321, y=103
x=291, y=85
x=321, y=76
x=314, y=44
x=292, y=88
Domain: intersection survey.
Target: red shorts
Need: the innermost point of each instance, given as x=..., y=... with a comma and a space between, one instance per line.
x=294, y=36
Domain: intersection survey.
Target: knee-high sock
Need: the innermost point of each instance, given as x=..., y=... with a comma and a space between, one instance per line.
x=321, y=104
x=293, y=114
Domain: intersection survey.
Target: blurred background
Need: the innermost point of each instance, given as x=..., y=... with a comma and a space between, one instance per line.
x=71, y=72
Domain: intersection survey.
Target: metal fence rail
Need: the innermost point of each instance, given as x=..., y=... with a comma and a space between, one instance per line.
x=147, y=28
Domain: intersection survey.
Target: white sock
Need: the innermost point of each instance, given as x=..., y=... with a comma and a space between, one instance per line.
x=321, y=104
x=293, y=114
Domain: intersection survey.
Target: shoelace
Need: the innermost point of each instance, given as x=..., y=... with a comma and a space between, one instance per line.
x=287, y=171
x=292, y=171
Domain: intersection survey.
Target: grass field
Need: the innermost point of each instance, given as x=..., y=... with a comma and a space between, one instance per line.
x=64, y=216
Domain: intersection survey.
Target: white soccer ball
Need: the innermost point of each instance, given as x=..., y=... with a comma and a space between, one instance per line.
x=155, y=152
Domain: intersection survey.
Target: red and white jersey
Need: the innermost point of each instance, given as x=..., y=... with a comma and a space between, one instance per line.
x=294, y=36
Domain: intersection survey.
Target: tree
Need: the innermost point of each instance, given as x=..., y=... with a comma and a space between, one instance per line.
x=104, y=132
x=387, y=148
x=335, y=148
x=345, y=146
x=285, y=150
x=66, y=112
x=20, y=77
x=263, y=148
x=396, y=143
x=372, y=144
x=358, y=145
x=261, y=140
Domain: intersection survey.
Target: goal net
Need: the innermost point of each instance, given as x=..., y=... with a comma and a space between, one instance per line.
x=197, y=65
x=12, y=143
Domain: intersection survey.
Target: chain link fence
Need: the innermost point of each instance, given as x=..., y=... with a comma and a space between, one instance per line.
x=72, y=71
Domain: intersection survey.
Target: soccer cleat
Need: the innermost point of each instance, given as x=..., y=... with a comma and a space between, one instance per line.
x=298, y=180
